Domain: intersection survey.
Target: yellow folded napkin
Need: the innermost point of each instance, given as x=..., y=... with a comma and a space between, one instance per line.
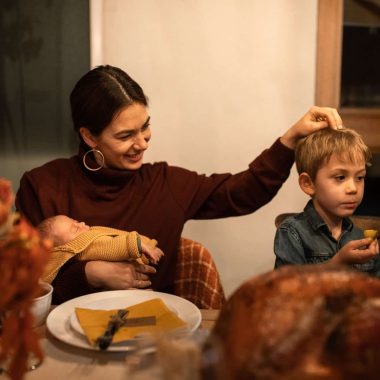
x=94, y=322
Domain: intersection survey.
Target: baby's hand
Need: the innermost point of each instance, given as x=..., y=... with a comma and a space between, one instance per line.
x=357, y=251
x=154, y=253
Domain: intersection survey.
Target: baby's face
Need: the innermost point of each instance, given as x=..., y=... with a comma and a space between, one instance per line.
x=66, y=229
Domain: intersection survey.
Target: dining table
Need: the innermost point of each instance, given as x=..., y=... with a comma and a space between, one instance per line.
x=63, y=361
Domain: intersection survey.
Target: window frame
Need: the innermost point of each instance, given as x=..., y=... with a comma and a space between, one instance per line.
x=328, y=74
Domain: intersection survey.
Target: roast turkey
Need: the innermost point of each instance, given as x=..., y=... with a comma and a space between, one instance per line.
x=312, y=322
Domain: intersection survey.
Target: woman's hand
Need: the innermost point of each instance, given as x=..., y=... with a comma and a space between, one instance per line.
x=118, y=275
x=357, y=252
x=316, y=118
x=154, y=253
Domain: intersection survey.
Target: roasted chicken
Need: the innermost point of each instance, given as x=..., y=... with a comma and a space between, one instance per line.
x=312, y=322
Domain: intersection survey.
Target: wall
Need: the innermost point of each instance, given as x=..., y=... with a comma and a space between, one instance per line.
x=225, y=78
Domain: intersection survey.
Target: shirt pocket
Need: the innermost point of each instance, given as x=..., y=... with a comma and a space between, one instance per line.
x=318, y=257
x=366, y=267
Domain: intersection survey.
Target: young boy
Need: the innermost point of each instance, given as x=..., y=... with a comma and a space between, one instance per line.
x=72, y=238
x=332, y=167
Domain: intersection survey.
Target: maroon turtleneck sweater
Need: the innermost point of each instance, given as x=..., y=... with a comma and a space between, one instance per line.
x=155, y=200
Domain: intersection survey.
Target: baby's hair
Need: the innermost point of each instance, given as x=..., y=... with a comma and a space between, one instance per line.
x=313, y=151
x=45, y=228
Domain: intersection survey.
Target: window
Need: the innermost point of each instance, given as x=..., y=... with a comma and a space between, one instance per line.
x=346, y=79
x=45, y=49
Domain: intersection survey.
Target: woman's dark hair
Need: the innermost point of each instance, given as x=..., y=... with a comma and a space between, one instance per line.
x=100, y=94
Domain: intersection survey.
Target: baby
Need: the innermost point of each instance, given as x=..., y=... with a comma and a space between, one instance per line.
x=72, y=238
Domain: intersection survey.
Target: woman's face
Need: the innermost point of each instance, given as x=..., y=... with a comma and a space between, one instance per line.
x=124, y=141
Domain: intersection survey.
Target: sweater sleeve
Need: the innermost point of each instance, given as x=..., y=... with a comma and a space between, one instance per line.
x=224, y=195
x=71, y=282
x=113, y=248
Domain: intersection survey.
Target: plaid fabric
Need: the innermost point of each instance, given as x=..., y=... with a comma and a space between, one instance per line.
x=197, y=278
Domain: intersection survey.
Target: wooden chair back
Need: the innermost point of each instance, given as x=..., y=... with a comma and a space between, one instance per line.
x=366, y=222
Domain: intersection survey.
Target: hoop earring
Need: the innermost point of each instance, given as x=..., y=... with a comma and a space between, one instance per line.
x=94, y=151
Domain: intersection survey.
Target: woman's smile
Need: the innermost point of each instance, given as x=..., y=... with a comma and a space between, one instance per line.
x=135, y=157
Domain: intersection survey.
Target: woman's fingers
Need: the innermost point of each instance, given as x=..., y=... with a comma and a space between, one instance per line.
x=142, y=284
x=337, y=118
x=316, y=118
x=141, y=276
x=143, y=268
x=142, y=272
x=326, y=116
x=141, y=280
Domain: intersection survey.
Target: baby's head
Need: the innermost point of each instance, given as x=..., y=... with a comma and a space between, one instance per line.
x=315, y=150
x=61, y=229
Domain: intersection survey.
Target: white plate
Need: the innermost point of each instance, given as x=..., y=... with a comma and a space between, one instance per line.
x=59, y=320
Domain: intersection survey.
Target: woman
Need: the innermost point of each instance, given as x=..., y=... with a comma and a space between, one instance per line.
x=106, y=183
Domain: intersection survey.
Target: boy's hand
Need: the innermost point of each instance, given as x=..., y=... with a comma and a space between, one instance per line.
x=357, y=252
x=154, y=253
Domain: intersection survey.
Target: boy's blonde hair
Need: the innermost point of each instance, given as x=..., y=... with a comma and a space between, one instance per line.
x=313, y=151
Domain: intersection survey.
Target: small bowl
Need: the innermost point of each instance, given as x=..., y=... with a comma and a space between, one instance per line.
x=41, y=305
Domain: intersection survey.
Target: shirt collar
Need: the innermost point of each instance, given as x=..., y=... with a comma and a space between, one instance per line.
x=317, y=222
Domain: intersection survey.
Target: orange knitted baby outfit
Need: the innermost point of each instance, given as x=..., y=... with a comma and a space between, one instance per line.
x=98, y=243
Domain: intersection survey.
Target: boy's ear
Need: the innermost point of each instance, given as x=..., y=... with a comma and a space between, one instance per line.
x=88, y=137
x=306, y=184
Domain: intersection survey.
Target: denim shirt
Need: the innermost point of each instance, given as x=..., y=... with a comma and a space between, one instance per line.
x=306, y=239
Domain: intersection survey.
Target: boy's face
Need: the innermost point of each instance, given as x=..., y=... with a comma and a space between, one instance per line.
x=338, y=187
x=66, y=229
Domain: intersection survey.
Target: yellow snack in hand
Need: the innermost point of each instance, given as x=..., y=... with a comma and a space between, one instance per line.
x=370, y=234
